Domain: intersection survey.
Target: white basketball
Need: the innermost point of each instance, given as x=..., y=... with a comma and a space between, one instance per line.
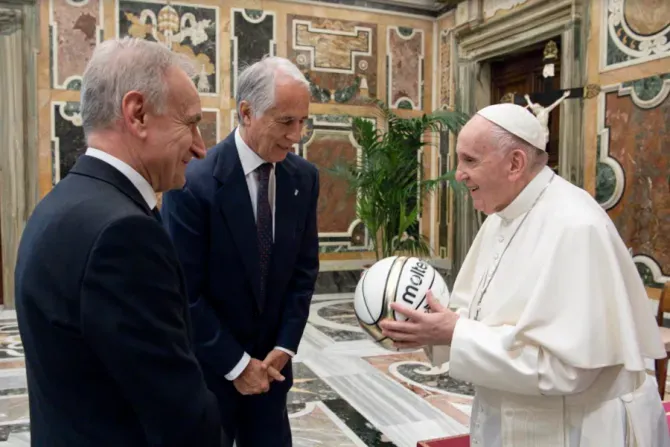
x=395, y=279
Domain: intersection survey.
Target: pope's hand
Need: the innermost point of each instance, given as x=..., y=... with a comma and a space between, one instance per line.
x=421, y=329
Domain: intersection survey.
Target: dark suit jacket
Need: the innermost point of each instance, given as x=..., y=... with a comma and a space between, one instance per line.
x=212, y=225
x=102, y=313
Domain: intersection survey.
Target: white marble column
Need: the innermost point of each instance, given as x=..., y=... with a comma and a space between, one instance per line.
x=571, y=140
x=466, y=219
x=18, y=132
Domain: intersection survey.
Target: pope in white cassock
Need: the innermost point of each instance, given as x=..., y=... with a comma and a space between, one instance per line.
x=550, y=318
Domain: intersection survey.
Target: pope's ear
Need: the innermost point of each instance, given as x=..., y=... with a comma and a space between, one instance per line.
x=518, y=162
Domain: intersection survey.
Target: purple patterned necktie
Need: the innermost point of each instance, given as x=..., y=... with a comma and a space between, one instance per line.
x=264, y=223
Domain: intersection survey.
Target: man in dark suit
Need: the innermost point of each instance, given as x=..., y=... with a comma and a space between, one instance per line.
x=100, y=295
x=245, y=228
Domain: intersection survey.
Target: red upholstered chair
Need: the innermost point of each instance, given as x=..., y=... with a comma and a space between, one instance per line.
x=450, y=441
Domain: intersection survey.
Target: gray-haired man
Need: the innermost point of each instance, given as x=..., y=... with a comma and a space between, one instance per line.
x=245, y=229
x=101, y=299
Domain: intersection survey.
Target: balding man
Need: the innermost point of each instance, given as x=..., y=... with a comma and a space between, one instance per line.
x=100, y=295
x=550, y=318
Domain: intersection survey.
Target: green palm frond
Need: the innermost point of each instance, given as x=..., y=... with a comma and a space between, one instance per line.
x=387, y=177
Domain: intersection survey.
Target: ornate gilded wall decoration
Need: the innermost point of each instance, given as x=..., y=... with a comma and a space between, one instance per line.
x=336, y=56
x=634, y=31
x=188, y=29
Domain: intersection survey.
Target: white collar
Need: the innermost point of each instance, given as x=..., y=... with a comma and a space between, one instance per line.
x=135, y=178
x=526, y=198
x=250, y=160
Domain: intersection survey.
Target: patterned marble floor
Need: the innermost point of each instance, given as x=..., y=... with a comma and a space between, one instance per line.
x=347, y=390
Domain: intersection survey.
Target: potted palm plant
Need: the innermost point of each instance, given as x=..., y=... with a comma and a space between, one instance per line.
x=388, y=177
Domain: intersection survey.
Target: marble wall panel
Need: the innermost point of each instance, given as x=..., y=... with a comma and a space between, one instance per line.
x=328, y=140
x=68, y=141
x=632, y=176
x=209, y=127
x=252, y=35
x=75, y=28
x=405, y=67
x=634, y=31
x=445, y=68
x=67, y=138
x=338, y=57
x=190, y=29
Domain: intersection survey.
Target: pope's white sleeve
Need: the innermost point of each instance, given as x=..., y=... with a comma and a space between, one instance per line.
x=490, y=357
x=439, y=354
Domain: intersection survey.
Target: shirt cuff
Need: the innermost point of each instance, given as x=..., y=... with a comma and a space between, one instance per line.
x=237, y=370
x=288, y=351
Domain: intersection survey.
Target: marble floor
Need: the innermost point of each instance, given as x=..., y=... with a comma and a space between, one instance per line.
x=347, y=390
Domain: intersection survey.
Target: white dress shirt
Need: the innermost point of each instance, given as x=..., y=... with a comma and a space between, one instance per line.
x=142, y=185
x=250, y=162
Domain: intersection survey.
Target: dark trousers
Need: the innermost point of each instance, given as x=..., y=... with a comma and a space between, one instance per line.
x=259, y=420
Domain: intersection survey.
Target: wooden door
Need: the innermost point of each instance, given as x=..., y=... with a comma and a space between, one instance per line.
x=521, y=73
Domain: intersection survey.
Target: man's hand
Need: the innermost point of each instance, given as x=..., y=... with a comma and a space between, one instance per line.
x=433, y=328
x=254, y=379
x=276, y=360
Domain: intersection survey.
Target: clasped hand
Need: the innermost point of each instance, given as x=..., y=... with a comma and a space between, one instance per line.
x=257, y=376
x=435, y=327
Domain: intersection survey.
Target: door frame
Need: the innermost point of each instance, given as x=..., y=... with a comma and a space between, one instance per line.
x=19, y=39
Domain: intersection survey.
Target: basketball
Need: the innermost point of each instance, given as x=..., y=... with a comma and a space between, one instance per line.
x=395, y=279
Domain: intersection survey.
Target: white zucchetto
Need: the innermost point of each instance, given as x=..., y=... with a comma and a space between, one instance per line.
x=518, y=121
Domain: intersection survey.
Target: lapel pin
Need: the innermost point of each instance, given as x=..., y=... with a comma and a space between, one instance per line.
x=296, y=192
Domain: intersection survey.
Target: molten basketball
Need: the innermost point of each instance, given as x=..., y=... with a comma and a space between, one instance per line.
x=395, y=279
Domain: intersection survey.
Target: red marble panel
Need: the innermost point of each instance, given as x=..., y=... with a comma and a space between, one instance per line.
x=336, y=207
x=406, y=68
x=338, y=57
x=640, y=142
x=209, y=128
x=74, y=30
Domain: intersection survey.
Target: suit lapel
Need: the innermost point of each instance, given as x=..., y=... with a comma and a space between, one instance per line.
x=235, y=204
x=285, y=215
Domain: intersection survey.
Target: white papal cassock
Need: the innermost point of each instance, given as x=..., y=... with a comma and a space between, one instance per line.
x=556, y=346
